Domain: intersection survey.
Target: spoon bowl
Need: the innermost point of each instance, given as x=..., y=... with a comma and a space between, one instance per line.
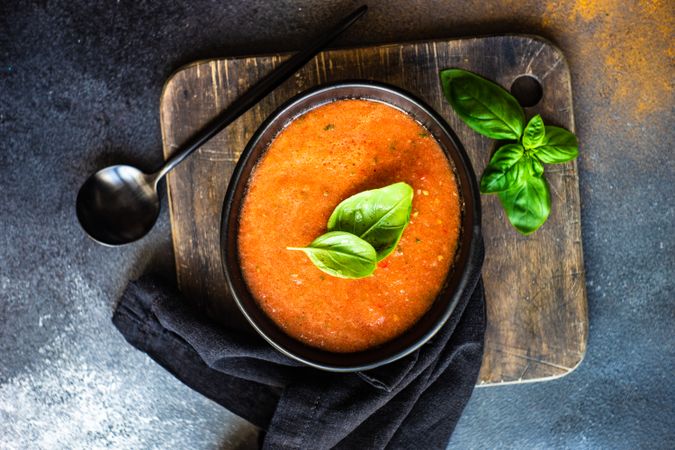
x=118, y=204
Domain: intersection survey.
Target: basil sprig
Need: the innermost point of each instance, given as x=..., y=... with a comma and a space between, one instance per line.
x=516, y=170
x=362, y=230
x=378, y=216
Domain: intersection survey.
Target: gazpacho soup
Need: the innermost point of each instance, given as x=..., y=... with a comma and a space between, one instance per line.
x=318, y=160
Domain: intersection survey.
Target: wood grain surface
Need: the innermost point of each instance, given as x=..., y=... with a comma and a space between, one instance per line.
x=535, y=289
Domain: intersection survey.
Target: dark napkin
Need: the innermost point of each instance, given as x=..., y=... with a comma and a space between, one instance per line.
x=414, y=402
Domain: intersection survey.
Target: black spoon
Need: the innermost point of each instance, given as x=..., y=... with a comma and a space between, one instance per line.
x=120, y=204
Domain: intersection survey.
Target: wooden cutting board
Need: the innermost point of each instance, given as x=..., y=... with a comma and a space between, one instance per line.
x=535, y=289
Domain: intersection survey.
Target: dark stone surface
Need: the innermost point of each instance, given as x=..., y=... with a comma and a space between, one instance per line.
x=79, y=88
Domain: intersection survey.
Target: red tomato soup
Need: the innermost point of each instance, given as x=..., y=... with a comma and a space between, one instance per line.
x=318, y=160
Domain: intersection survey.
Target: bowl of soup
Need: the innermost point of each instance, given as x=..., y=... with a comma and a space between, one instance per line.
x=318, y=149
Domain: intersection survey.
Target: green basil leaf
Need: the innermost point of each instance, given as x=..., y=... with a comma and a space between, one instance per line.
x=378, y=216
x=535, y=167
x=558, y=146
x=534, y=133
x=502, y=172
x=341, y=255
x=528, y=204
x=483, y=105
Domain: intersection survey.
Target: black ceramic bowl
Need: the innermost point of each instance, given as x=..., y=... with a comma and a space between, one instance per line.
x=466, y=260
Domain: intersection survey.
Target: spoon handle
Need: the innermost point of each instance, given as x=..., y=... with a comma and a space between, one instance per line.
x=257, y=92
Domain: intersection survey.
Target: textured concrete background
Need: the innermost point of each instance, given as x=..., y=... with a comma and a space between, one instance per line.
x=80, y=84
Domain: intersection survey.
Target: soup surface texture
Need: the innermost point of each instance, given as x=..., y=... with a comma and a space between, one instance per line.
x=318, y=160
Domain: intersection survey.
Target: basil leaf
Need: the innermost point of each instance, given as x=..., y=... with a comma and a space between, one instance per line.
x=502, y=173
x=535, y=167
x=483, y=105
x=378, y=216
x=558, y=146
x=341, y=255
x=534, y=133
x=528, y=204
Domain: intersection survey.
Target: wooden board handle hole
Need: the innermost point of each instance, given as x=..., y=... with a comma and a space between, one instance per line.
x=527, y=90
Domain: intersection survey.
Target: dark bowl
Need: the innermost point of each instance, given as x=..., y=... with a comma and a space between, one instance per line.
x=466, y=260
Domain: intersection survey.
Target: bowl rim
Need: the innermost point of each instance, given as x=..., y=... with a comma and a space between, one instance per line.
x=470, y=189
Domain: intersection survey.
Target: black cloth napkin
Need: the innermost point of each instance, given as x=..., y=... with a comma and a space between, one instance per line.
x=414, y=402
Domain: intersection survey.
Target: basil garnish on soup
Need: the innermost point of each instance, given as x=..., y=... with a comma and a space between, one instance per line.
x=377, y=216
x=341, y=255
x=362, y=230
